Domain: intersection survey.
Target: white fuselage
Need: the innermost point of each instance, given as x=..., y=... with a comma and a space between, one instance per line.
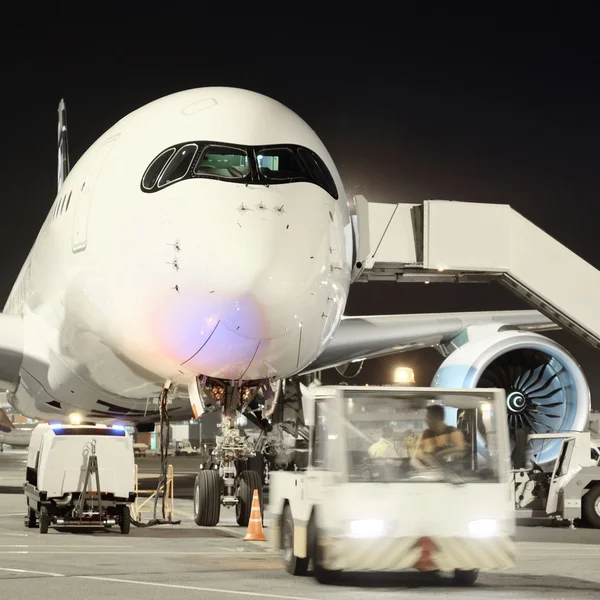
x=124, y=289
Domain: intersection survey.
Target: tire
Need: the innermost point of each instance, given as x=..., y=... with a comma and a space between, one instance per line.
x=257, y=463
x=248, y=482
x=125, y=520
x=254, y=463
x=30, y=520
x=293, y=564
x=323, y=575
x=591, y=507
x=207, y=498
x=44, y=520
x=465, y=578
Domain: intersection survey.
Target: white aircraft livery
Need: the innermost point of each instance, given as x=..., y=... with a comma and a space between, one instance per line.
x=204, y=246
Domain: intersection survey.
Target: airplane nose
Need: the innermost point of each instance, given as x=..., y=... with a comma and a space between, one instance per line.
x=248, y=282
x=265, y=285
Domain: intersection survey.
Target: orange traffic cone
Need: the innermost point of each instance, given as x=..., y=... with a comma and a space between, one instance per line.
x=255, y=530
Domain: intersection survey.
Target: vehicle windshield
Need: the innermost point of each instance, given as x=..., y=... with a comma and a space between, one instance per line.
x=393, y=439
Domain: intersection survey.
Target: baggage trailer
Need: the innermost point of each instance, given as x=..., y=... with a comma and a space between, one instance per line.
x=355, y=505
x=79, y=476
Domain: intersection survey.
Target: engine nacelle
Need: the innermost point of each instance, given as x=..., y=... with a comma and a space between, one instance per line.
x=546, y=390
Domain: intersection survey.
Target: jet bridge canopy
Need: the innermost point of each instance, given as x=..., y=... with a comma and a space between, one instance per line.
x=445, y=241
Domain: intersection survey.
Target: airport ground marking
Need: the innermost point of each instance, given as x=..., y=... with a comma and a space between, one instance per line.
x=134, y=552
x=196, y=588
x=32, y=572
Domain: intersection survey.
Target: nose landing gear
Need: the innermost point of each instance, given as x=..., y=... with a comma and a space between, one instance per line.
x=226, y=485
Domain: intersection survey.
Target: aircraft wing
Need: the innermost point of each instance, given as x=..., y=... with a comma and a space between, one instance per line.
x=360, y=338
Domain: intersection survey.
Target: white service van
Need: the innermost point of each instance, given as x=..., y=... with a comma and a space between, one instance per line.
x=79, y=475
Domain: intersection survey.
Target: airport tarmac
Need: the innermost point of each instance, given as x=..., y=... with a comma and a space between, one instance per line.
x=186, y=561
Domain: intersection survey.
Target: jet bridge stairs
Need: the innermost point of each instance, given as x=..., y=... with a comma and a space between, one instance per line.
x=445, y=241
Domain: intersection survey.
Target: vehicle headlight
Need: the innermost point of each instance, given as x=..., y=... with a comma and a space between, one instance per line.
x=483, y=528
x=366, y=527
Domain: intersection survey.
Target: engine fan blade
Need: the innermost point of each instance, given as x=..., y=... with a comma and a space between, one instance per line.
x=551, y=405
x=546, y=384
x=493, y=378
x=514, y=373
x=548, y=415
x=546, y=396
x=530, y=416
x=533, y=378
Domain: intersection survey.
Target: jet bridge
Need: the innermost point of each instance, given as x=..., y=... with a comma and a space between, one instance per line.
x=445, y=241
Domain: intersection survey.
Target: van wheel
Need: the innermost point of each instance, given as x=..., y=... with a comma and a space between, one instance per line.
x=293, y=564
x=44, y=520
x=465, y=578
x=207, y=498
x=125, y=520
x=30, y=520
x=591, y=507
x=247, y=483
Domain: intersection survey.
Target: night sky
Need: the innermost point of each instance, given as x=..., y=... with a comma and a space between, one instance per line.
x=412, y=105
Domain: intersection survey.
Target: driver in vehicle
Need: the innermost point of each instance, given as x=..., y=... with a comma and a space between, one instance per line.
x=438, y=436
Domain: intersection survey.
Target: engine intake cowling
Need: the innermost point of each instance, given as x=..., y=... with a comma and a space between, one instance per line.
x=546, y=390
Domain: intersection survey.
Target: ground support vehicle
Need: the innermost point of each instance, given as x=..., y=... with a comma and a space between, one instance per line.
x=348, y=511
x=79, y=476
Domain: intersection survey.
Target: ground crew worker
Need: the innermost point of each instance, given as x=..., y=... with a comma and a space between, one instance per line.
x=384, y=448
x=438, y=436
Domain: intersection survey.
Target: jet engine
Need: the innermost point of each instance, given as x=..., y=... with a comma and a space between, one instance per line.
x=546, y=390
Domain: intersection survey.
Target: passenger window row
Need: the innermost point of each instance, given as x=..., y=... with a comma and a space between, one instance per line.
x=258, y=165
x=61, y=206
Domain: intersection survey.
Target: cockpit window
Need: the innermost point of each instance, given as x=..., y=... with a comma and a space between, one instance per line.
x=277, y=164
x=155, y=169
x=224, y=162
x=318, y=170
x=179, y=165
x=254, y=165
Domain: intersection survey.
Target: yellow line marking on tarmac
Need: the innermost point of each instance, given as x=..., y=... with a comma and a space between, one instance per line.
x=184, y=513
x=195, y=588
x=234, y=532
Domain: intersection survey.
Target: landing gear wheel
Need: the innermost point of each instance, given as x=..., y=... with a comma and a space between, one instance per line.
x=591, y=507
x=257, y=463
x=44, y=520
x=247, y=483
x=30, y=520
x=125, y=520
x=465, y=578
x=207, y=498
x=293, y=564
x=323, y=575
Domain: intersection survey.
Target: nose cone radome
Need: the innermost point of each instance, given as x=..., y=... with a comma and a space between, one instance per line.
x=246, y=279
